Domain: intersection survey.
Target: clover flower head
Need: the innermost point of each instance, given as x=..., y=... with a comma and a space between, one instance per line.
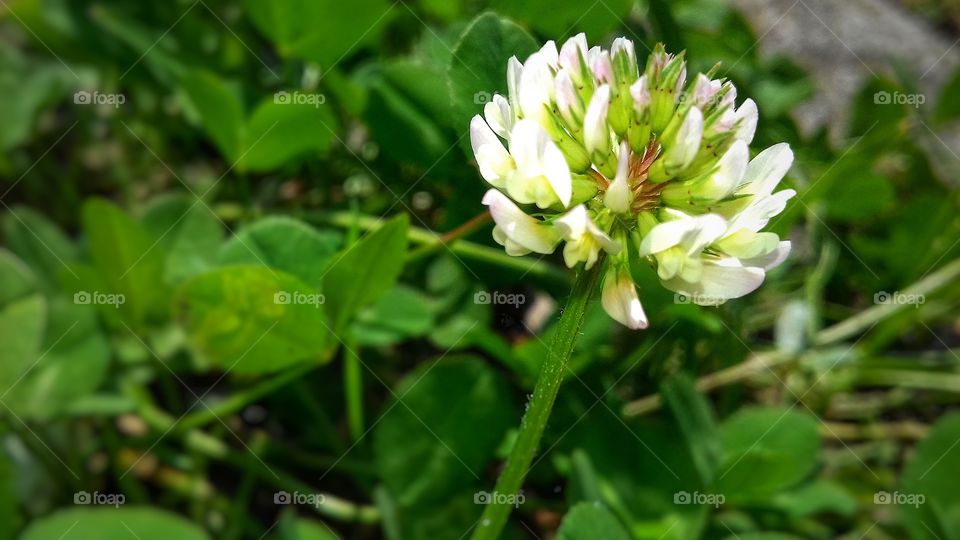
x=589, y=151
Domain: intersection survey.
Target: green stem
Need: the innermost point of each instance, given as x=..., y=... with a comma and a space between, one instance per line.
x=353, y=388
x=538, y=412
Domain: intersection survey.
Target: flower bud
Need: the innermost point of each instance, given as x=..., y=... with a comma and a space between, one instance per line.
x=619, y=197
x=596, y=132
x=681, y=147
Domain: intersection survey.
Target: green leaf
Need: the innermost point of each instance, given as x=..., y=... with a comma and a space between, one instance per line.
x=363, y=272
x=567, y=17
x=948, y=108
x=23, y=315
x=277, y=132
x=695, y=418
x=815, y=498
x=587, y=521
x=9, y=516
x=931, y=474
x=431, y=444
x=252, y=319
x=323, y=31
x=189, y=234
x=107, y=523
x=766, y=450
x=127, y=262
x=402, y=313
x=297, y=528
x=72, y=363
x=285, y=244
x=39, y=243
x=478, y=68
x=220, y=110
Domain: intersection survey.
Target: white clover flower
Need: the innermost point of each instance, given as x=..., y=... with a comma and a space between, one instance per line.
x=588, y=150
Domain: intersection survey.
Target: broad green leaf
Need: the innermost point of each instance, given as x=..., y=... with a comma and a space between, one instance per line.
x=283, y=243
x=815, y=498
x=108, y=523
x=71, y=364
x=23, y=316
x=127, y=262
x=297, y=528
x=27, y=86
x=568, y=17
x=9, y=515
x=402, y=313
x=323, y=31
x=478, y=68
x=587, y=521
x=763, y=536
x=220, y=111
x=251, y=320
x=695, y=418
x=361, y=273
x=931, y=474
x=431, y=444
x=39, y=243
x=280, y=131
x=189, y=233
x=766, y=450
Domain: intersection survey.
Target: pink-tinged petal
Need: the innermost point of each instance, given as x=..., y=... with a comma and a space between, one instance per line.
x=602, y=67
x=620, y=300
x=573, y=51
x=641, y=94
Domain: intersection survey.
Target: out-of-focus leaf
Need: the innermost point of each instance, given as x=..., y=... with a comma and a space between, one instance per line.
x=23, y=315
x=188, y=232
x=361, y=273
x=323, y=31
x=39, y=243
x=253, y=319
x=107, y=523
x=401, y=313
x=948, y=109
x=815, y=498
x=279, y=131
x=587, y=521
x=478, y=68
x=26, y=87
x=566, y=17
x=283, y=243
x=695, y=418
x=428, y=446
x=766, y=450
x=928, y=498
x=220, y=111
x=127, y=262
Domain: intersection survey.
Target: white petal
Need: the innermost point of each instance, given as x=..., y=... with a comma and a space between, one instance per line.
x=536, y=88
x=730, y=172
x=761, y=210
x=687, y=141
x=557, y=171
x=691, y=233
x=549, y=52
x=618, y=196
x=746, y=118
x=514, y=70
x=494, y=160
x=720, y=281
x=596, y=133
x=568, y=101
x=640, y=93
x=499, y=116
x=602, y=67
x=767, y=170
x=771, y=260
x=572, y=51
x=515, y=225
x=620, y=300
